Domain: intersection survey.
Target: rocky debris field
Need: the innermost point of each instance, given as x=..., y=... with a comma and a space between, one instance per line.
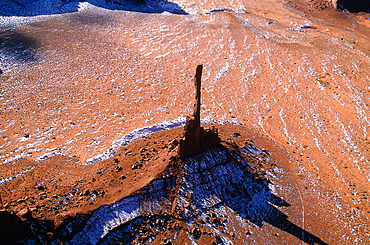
x=146, y=193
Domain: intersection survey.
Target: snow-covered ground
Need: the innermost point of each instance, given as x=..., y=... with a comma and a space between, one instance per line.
x=51, y=7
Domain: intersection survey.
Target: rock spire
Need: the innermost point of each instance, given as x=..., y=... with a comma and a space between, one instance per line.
x=195, y=137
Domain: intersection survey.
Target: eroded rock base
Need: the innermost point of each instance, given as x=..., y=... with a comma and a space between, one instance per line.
x=219, y=195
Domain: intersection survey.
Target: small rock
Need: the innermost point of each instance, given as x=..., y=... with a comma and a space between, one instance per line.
x=20, y=200
x=218, y=240
x=172, y=145
x=58, y=220
x=223, y=219
x=265, y=151
x=24, y=213
x=143, y=150
x=165, y=241
x=136, y=165
x=248, y=142
x=154, y=150
x=216, y=221
x=196, y=232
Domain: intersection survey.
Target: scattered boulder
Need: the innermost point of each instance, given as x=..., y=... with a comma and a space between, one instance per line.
x=25, y=213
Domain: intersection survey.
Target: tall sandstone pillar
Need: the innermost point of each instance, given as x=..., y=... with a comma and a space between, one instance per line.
x=195, y=138
x=193, y=132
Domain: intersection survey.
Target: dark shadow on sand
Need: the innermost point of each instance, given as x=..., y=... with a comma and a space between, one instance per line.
x=49, y=7
x=22, y=48
x=355, y=6
x=215, y=179
x=18, y=47
x=237, y=187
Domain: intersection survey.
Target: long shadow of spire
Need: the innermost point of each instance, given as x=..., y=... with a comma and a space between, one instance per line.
x=279, y=221
x=50, y=7
x=234, y=186
x=216, y=178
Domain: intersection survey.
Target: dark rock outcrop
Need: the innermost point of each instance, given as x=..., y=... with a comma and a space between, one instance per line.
x=12, y=228
x=354, y=5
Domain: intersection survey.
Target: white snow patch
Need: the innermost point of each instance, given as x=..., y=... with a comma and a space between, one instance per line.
x=14, y=158
x=137, y=133
x=2, y=181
